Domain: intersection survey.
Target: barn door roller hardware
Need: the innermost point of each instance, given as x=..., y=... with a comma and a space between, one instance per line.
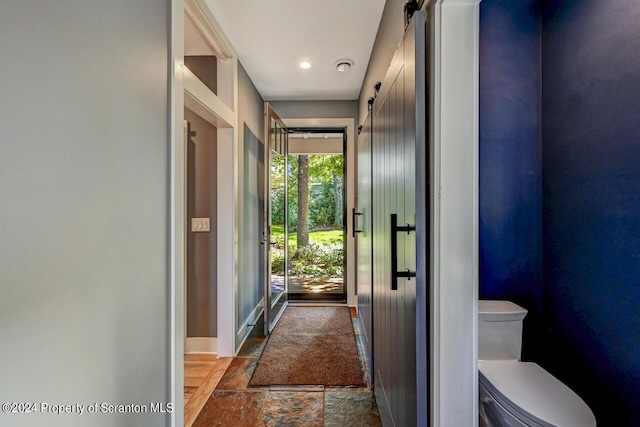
x=395, y=229
x=376, y=89
x=409, y=9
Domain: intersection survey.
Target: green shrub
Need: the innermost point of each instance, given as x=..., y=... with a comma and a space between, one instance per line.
x=306, y=270
x=277, y=261
x=311, y=253
x=332, y=256
x=316, y=260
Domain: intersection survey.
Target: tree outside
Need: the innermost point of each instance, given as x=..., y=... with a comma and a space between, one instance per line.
x=302, y=227
x=316, y=212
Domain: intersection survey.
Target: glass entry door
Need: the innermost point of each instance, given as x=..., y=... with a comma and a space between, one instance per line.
x=276, y=219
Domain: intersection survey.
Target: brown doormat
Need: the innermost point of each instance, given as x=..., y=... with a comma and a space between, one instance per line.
x=311, y=346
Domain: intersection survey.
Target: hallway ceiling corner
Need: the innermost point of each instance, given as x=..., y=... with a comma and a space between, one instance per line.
x=273, y=37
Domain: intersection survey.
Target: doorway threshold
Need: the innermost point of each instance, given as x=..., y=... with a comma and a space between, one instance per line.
x=317, y=303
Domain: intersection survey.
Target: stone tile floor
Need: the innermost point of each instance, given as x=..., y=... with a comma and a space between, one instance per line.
x=234, y=404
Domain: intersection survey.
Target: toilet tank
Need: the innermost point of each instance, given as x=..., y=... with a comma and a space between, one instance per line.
x=499, y=330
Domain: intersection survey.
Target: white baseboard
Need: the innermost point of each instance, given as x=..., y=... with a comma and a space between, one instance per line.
x=207, y=345
x=251, y=320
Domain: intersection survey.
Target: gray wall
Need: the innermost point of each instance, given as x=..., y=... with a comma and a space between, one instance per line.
x=250, y=106
x=84, y=196
x=205, y=68
x=251, y=227
x=250, y=280
x=315, y=109
x=202, y=247
x=389, y=34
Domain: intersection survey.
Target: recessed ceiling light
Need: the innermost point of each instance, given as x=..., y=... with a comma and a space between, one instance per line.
x=305, y=65
x=344, y=65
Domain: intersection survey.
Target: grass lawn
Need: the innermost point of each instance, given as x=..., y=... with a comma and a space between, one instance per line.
x=322, y=237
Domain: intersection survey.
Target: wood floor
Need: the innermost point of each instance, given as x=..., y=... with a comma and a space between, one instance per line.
x=202, y=373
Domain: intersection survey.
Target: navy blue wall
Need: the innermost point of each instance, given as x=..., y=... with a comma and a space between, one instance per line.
x=510, y=160
x=591, y=193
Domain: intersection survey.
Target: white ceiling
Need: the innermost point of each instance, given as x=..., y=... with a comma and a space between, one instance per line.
x=272, y=37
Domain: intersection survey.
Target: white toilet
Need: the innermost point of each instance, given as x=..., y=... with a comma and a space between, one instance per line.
x=514, y=393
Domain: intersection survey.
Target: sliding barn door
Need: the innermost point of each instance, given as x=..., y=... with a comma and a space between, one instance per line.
x=362, y=223
x=399, y=297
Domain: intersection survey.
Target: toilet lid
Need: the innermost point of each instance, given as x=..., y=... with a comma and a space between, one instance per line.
x=534, y=394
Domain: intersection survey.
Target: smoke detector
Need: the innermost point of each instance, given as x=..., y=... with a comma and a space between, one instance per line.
x=344, y=65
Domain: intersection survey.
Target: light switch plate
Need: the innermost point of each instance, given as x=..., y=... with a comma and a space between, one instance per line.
x=200, y=225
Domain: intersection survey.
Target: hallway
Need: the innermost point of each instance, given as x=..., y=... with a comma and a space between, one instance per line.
x=233, y=402
x=140, y=215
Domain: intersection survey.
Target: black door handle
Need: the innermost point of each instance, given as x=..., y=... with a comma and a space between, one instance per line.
x=354, y=214
x=395, y=229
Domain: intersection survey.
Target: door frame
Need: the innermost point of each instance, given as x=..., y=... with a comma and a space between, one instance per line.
x=269, y=323
x=331, y=298
x=350, y=185
x=221, y=110
x=453, y=31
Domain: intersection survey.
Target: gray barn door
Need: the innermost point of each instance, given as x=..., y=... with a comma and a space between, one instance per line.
x=399, y=208
x=362, y=223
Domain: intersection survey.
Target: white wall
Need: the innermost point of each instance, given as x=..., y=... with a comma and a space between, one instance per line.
x=84, y=196
x=454, y=35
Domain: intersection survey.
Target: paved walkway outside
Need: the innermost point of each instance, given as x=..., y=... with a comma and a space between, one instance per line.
x=313, y=285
